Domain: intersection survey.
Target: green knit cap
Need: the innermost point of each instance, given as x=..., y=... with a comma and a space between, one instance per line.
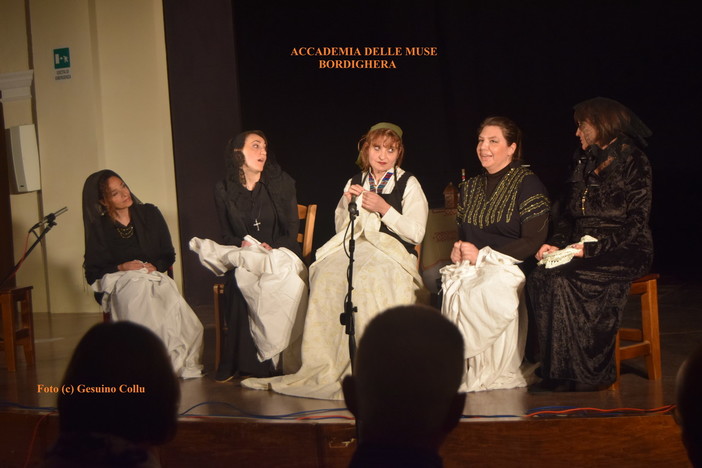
x=389, y=126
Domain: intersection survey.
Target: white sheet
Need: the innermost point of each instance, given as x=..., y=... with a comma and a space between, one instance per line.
x=274, y=285
x=153, y=300
x=485, y=301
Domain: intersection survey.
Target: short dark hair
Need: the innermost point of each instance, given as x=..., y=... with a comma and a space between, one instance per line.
x=120, y=381
x=511, y=131
x=397, y=347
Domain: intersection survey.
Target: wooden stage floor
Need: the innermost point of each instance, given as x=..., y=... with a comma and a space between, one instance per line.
x=224, y=422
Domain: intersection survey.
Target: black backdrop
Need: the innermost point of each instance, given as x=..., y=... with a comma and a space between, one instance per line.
x=231, y=68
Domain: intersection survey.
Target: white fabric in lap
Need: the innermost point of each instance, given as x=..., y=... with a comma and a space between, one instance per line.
x=274, y=285
x=485, y=301
x=153, y=300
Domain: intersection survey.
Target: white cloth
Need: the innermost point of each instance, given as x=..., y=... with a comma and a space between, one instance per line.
x=274, y=285
x=485, y=301
x=153, y=300
x=563, y=256
x=385, y=275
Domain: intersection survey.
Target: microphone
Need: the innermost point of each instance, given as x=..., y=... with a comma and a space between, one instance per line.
x=50, y=218
x=353, y=208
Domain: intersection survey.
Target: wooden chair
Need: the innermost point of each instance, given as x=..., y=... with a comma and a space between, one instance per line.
x=647, y=338
x=306, y=213
x=13, y=333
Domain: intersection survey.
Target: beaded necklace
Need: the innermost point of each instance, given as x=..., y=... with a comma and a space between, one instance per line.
x=125, y=232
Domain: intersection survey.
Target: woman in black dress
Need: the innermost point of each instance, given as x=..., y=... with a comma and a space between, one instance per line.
x=128, y=250
x=578, y=305
x=256, y=198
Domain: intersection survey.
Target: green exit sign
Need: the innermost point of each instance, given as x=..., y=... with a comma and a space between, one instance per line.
x=62, y=58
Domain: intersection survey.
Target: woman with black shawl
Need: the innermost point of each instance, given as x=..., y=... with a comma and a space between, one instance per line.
x=128, y=249
x=577, y=304
x=256, y=198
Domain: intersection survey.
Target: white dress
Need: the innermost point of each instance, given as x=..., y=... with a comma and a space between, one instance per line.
x=385, y=275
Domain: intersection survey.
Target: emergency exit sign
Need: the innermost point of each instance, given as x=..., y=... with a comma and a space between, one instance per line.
x=62, y=64
x=62, y=58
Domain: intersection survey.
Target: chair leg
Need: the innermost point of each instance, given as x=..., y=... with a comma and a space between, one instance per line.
x=618, y=361
x=28, y=322
x=650, y=328
x=218, y=324
x=648, y=341
x=8, y=328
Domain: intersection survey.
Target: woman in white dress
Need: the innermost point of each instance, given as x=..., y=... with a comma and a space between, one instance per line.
x=391, y=222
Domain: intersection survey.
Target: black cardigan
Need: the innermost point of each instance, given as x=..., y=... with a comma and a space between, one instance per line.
x=281, y=189
x=154, y=239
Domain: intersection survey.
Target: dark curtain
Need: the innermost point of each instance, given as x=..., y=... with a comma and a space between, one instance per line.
x=529, y=62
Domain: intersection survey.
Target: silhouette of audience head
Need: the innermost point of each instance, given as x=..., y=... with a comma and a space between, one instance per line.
x=120, y=382
x=404, y=387
x=689, y=411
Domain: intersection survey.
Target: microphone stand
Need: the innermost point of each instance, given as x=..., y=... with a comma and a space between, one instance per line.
x=50, y=222
x=346, y=317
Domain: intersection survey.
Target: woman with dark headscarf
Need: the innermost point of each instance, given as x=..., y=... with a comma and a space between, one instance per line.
x=580, y=291
x=256, y=198
x=391, y=222
x=127, y=251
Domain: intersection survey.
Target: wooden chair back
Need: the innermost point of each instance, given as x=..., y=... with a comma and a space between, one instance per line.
x=308, y=214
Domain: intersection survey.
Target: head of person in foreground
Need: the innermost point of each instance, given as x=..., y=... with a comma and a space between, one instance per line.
x=689, y=410
x=404, y=387
x=120, y=382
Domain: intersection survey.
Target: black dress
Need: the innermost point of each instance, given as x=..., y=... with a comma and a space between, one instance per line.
x=578, y=306
x=161, y=309
x=269, y=214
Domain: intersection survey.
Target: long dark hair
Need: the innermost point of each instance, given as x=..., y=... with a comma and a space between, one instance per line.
x=234, y=158
x=611, y=118
x=103, y=188
x=94, y=190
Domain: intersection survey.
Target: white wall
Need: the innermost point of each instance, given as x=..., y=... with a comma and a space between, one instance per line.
x=112, y=113
x=14, y=57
